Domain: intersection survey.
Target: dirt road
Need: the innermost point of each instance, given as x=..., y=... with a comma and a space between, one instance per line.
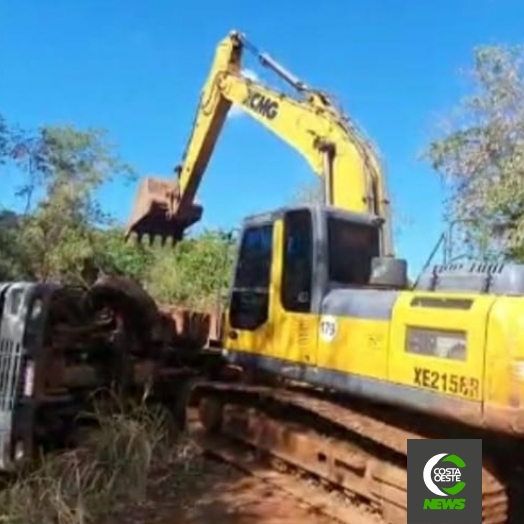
x=215, y=493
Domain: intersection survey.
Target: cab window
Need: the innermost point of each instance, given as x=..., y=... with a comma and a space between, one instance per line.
x=249, y=304
x=254, y=261
x=298, y=261
x=351, y=249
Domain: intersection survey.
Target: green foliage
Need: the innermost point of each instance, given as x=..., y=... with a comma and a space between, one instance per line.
x=116, y=256
x=11, y=253
x=4, y=140
x=65, y=235
x=131, y=449
x=195, y=272
x=67, y=166
x=481, y=155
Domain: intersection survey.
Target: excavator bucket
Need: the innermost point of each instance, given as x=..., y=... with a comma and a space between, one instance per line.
x=156, y=212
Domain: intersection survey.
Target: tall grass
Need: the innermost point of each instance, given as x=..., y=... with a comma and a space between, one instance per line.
x=114, y=465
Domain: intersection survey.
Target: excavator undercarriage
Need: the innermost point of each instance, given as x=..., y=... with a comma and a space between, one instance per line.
x=347, y=445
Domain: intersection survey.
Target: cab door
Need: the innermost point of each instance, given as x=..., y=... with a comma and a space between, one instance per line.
x=248, y=330
x=295, y=324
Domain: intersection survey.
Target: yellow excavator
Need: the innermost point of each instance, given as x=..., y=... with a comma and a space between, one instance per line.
x=310, y=123
x=334, y=362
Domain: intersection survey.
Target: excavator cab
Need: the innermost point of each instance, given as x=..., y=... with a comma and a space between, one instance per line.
x=156, y=212
x=297, y=266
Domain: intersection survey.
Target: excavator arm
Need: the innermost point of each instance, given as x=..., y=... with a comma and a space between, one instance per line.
x=310, y=123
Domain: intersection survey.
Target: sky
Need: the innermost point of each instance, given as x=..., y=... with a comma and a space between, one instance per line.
x=136, y=68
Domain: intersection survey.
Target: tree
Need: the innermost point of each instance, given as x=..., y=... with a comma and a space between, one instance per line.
x=11, y=253
x=481, y=155
x=311, y=193
x=11, y=260
x=63, y=234
x=4, y=140
x=195, y=272
x=113, y=255
x=66, y=166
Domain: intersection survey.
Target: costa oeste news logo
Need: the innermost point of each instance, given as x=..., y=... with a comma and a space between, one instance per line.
x=433, y=476
x=444, y=481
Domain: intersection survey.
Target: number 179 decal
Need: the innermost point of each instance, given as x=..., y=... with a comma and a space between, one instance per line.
x=328, y=328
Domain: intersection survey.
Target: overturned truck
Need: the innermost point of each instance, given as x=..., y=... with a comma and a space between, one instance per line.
x=61, y=346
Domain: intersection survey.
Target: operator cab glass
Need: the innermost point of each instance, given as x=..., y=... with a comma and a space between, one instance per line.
x=319, y=251
x=254, y=263
x=351, y=247
x=249, y=303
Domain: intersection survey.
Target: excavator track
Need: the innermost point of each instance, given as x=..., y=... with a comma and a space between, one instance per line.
x=358, y=451
x=274, y=473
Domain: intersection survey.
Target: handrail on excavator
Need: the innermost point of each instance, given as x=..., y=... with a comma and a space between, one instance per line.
x=311, y=123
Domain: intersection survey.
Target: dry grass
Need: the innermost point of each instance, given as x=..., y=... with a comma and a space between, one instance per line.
x=116, y=464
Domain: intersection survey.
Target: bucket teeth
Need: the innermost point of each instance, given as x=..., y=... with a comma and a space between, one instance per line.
x=156, y=212
x=153, y=239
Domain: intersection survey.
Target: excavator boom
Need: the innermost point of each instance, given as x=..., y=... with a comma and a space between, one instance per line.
x=310, y=123
x=165, y=207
